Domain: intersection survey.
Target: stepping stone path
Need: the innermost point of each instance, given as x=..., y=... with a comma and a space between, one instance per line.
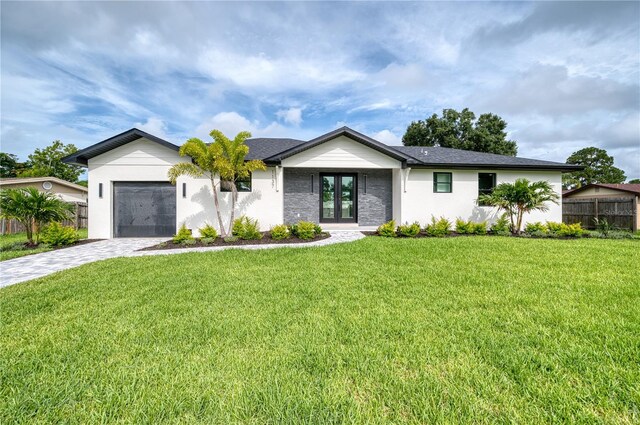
x=38, y=265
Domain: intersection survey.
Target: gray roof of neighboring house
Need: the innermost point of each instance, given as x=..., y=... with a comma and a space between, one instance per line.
x=274, y=150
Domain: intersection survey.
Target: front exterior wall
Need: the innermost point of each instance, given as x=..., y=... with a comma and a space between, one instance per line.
x=302, y=201
x=144, y=160
x=419, y=202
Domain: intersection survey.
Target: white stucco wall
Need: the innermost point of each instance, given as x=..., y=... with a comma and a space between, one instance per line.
x=144, y=160
x=341, y=152
x=419, y=202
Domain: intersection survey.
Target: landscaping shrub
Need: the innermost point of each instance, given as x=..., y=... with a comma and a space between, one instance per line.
x=501, y=226
x=535, y=227
x=562, y=229
x=388, y=229
x=183, y=235
x=603, y=226
x=188, y=242
x=409, y=230
x=465, y=227
x=246, y=228
x=231, y=239
x=208, y=241
x=280, y=231
x=438, y=228
x=238, y=226
x=208, y=232
x=317, y=229
x=304, y=230
x=480, y=228
x=55, y=234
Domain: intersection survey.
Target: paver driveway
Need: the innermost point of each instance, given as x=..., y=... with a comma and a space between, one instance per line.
x=39, y=265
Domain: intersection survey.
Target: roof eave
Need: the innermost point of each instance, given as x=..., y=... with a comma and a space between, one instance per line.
x=565, y=168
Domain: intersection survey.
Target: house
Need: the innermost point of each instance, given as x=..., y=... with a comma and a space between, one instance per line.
x=342, y=179
x=618, y=203
x=67, y=191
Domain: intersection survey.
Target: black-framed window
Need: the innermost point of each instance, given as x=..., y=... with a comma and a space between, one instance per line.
x=486, y=184
x=442, y=182
x=243, y=184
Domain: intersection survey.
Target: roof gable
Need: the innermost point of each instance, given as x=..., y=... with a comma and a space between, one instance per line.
x=82, y=156
x=623, y=187
x=344, y=131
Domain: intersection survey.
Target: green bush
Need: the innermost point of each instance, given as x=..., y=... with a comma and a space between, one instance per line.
x=183, y=235
x=554, y=227
x=539, y=234
x=480, y=228
x=188, y=242
x=535, y=227
x=562, y=229
x=246, y=228
x=208, y=231
x=238, y=226
x=603, y=226
x=317, y=229
x=465, y=227
x=304, y=230
x=230, y=239
x=55, y=234
x=280, y=231
x=501, y=226
x=388, y=229
x=409, y=230
x=208, y=241
x=438, y=228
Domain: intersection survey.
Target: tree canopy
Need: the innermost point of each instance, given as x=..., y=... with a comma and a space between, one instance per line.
x=634, y=181
x=461, y=130
x=9, y=165
x=598, y=168
x=47, y=162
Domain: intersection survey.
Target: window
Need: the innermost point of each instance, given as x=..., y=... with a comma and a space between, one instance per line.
x=486, y=183
x=242, y=184
x=442, y=182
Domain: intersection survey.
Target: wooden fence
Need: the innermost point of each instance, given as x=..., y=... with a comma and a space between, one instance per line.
x=79, y=221
x=620, y=212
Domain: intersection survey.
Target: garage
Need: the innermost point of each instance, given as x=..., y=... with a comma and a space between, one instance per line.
x=144, y=209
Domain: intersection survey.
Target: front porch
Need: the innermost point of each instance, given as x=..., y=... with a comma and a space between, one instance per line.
x=338, y=199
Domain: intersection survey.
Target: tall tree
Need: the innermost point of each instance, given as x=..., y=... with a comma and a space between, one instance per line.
x=9, y=165
x=634, y=181
x=461, y=130
x=47, y=162
x=598, y=168
x=223, y=159
x=519, y=198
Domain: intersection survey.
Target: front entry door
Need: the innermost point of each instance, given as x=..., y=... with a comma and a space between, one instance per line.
x=338, y=200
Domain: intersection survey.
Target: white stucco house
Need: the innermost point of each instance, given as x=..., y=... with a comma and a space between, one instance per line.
x=339, y=179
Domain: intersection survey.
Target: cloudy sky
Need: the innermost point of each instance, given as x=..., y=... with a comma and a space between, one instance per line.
x=564, y=75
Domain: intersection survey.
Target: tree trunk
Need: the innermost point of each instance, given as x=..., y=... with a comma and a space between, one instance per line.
x=234, y=199
x=520, y=215
x=513, y=224
x=217, y=203
x=28, y=226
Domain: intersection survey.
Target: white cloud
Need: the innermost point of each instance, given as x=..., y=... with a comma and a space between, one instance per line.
x=388, y=137
x=154, y=126
x=291, y=116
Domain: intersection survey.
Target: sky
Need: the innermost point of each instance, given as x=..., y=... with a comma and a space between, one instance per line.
x=564, y=75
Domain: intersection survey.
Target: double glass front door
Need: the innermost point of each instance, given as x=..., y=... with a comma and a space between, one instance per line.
x=338, y=201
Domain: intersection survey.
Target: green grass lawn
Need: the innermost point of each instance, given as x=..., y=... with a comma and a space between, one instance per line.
x=12, y=246
x=455, y=330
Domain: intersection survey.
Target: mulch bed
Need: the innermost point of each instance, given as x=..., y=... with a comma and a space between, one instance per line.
x=459, y=235
x=266, y=240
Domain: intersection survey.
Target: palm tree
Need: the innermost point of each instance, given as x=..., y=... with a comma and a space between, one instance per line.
x=33, y=209
x=224, y=159
x=519, y=198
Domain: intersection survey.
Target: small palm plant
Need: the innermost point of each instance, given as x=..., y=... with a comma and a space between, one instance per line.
x=33, y=209
x=223, y=159
x=519, y=198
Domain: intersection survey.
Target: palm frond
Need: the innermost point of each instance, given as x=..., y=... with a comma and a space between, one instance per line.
x=184, y=169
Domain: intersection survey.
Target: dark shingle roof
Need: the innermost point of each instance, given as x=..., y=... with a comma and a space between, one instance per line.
x=263, y=148
x=448, y=157
x=273, y=150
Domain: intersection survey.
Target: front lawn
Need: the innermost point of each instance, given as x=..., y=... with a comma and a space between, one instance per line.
x=13, y=246
x=455, y=330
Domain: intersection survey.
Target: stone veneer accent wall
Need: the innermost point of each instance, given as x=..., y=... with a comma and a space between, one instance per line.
x=303, y=203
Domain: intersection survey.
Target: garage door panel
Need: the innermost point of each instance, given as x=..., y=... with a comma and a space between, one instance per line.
x=144, y=209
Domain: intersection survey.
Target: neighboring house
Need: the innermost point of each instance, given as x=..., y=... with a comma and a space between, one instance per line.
x=616, y=202
x=67, y=191
x=342, y=178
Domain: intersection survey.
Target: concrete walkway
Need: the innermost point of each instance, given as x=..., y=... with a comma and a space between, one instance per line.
x=39, y=265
